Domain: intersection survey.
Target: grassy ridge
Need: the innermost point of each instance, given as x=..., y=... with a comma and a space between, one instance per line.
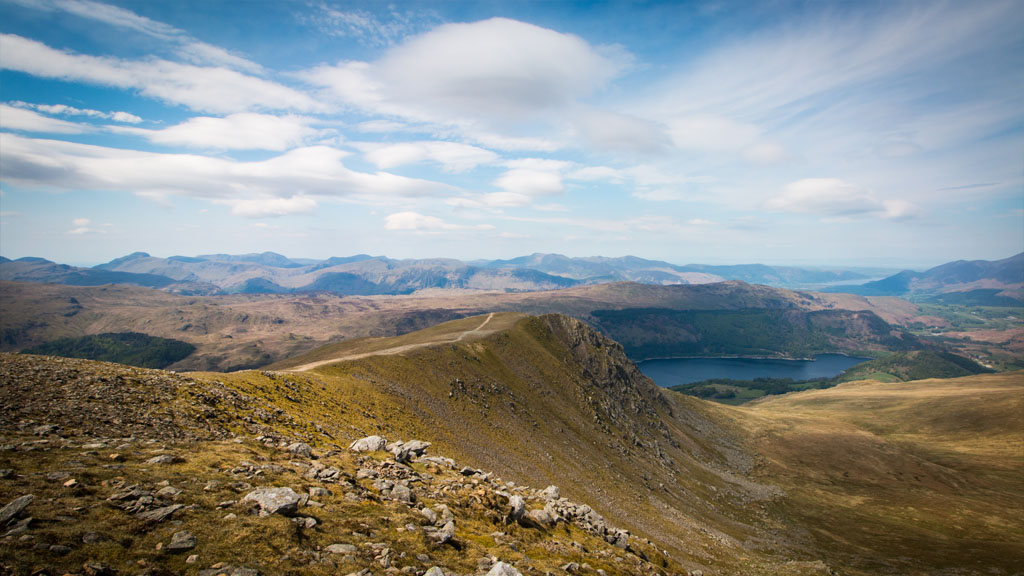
x=131, y=348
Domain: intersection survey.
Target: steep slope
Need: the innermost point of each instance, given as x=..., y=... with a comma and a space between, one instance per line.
x=110, y=470
x=805, y=486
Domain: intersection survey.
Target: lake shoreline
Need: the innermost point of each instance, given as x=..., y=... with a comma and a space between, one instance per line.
x=786, y=358
x=668, y=372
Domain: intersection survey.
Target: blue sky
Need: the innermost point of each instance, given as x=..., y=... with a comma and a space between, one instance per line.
x=828, y=133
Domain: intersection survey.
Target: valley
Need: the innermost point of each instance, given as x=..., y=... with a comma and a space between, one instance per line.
x=857, y=479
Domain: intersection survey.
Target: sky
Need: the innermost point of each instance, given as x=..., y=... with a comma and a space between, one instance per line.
x=805, y=133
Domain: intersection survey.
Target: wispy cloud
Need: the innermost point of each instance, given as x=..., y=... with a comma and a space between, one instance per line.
x=204, y=88
x=187, y=47
x=366, y=27
x=63, y=110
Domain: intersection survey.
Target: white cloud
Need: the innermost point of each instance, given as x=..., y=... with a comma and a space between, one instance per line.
x=615, y=132
x=242, y=131
x=376, y=126
x=189, y=48
x=314, y=171
x=530, y=183
x=81, y=226
x=831, y=197
x=369, y=29
x=63, y=110
x=594, y=173
x=710, y=132
x=20, y=119
x=212, y=89
x=269, y=207
x=453, y=156
x=490, y=79
x=416, y=222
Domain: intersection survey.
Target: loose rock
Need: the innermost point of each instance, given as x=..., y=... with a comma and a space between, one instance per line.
x=274, y=500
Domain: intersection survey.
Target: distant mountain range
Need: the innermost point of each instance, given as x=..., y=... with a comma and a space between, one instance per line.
x=271, y=273
x=970, y=282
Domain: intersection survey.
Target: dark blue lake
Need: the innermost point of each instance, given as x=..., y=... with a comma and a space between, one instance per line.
x=672, y=371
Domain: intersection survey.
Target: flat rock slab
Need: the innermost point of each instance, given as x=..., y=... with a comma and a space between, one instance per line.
x=159, y=514
x=15, y=507
x=273, y=500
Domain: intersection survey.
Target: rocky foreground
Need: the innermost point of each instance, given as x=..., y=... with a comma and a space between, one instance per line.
x=106, y=469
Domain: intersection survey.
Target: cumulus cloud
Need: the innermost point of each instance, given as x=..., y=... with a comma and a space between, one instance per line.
x=416, y=222
x=484, y=77
x=242, y=131
x=452, y=156
x=831, y=197
x=205, y=88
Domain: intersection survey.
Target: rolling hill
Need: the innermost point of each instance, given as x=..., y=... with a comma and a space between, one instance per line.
x=866, y=478
x=272, y=273
x=251, y=330
x=999, y=282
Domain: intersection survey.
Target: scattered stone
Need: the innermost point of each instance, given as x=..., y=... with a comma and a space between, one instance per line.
x=159, y=514
x=318, y=492
x=6, y=472
x=93, y=538
x=192, y=559
x=165, y=459
x=429, y=514
x=300, y=449
x=365, y=474
x=539, y=518
x=57, y=475
x=71, y=483
x=571, y=567
x=341, y=549
x=20, y=527
x=368, y=444
x=15, y=507
x=517, y=506
x=434, y=571
x=45, y=430
x=167, y=493
x=550, y=493
x=60, y=550
x=445, y=534
x=115, y=457
x=221, y=569
x=405, y=451
x=229, y=516
x=502, y=569
x=94, y=568
x=274, y=500
x=467, y=471
x=304, y=522
x=402, y=494
x=181, y=541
